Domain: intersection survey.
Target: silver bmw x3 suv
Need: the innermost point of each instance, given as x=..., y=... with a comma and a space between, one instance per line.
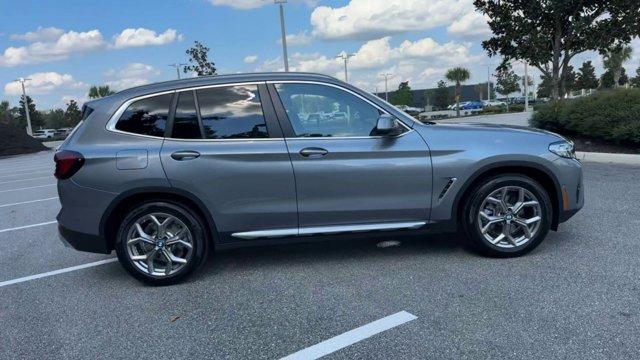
x=165, y=173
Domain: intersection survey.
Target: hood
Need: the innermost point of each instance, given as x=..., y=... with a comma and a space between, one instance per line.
x=494, y=128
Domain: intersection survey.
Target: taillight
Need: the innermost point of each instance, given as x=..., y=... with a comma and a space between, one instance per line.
x=67, y=163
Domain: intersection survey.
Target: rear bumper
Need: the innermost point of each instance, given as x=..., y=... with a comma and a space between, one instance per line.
x=82, y=241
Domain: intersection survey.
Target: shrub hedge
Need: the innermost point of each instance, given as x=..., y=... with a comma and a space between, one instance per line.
x=612, y=115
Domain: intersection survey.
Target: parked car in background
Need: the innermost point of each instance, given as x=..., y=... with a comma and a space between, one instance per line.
x=63, y=132
x=166, y=172
x=44, y=134
x=471, y=105
x=488, y=103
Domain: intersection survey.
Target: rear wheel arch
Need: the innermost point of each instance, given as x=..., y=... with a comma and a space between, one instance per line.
x=535, y=171
x=121, y=205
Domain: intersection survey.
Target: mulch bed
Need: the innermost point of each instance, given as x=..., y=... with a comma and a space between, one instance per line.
x=15, y=141
x=596, y=145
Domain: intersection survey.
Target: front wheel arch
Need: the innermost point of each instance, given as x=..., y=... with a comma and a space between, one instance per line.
x=532, y=170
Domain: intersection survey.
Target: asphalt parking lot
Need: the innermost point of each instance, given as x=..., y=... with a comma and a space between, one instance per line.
x=576, y=296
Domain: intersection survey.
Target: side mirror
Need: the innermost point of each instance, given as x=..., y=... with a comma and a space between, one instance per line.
x=387, y=125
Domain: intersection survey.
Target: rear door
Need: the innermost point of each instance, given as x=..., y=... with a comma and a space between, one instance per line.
x=347, y=177
x=225, y=146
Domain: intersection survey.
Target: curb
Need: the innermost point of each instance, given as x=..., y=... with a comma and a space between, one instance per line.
x=629, y=159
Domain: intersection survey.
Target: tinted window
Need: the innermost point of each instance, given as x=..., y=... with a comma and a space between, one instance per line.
x=324, y=111
x=185, y=121
x=147, y=116
x=232, y=112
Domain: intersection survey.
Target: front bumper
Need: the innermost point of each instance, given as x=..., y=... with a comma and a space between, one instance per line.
x=82, y=241
x=572, y=188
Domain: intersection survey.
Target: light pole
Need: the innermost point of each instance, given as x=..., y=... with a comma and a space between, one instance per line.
x=26, y=105
x=284, y=34
x=386, y=85
x=488, y=80
x=177, y=66
x=526, y=86
x=344, y=56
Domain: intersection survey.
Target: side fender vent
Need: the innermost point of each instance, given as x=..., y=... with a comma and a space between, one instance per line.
x=446, y=188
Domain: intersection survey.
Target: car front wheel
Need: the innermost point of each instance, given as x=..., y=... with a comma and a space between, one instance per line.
x=507, y=215
x=161, y=243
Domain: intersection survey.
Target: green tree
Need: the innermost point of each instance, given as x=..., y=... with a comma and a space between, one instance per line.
x=613, y=60
x=635, y=82
x=544, y=88
x=458, y=75
x=569, y=80
x=441, y=96
x=607, y=80
x=586, y=77
x=72, y=114
x=402, y=96
x=199, y=61
x=548, y=34
x=96, y=92
x=36, y=117
x=507, y=81
x=54, y=119
x=5, y=112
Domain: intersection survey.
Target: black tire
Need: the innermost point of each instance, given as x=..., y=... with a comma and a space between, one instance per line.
x=483, y=190
x=195, y=225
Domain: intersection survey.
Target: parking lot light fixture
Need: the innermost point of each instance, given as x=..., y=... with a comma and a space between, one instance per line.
x=386, y=85
x=284, y=34
x=345, y=57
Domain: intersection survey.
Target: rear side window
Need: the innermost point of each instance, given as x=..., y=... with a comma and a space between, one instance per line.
x=147, y=116
x=232, y=112
x=185, y=121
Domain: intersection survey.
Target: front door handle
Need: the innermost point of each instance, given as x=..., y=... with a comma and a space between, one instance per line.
x=185, y=155
x=313, y=152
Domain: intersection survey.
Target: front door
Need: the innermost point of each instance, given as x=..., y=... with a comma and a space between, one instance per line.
x=226, y=148
x=346, y=176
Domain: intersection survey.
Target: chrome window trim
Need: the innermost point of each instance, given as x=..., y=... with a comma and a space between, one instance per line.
x=409, y=129
x=111, y=124
x=331, y=229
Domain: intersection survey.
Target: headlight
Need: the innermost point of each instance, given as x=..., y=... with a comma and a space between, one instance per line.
x=563, y=149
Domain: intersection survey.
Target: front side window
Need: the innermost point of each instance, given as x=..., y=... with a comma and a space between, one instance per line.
x=316, y=110
x=146, y=116
x=232, y=112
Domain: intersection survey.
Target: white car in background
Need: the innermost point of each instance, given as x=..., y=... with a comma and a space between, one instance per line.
x=493, y=103
x=44, y=134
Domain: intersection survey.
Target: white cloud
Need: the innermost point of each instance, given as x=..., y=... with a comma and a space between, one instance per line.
x=368, y=19
x=299, y=39
x=42, y=34
x=471, y=25
x=44, y=83
x=66, y=44
x=250, y=59
x=134, y=74
x=253, y=4
x=144, y=37
x=423, y=62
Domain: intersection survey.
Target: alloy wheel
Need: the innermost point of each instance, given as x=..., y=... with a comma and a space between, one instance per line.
x=159, y=244
x=510, y=217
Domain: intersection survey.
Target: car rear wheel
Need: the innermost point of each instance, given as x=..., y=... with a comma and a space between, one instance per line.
x=161, y=243
x=507, y=216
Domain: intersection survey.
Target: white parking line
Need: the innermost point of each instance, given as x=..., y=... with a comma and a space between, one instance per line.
x=18, y=173
x=351, y=337
x=28, y=202
x=27, y=188
x=30, y=179
x=28, y=226
x=57, y=272
x=28, y=168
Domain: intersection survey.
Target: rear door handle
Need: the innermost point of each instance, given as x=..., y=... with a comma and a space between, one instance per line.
x=185, y=155
x=313, y=152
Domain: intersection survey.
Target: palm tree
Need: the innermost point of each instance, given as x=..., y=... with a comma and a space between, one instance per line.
x=613, y=60
x=459, y=75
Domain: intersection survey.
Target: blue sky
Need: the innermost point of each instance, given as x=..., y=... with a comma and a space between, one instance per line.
x=65, y=46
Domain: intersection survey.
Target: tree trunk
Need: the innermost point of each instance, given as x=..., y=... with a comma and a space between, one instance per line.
x=457, y=99
x=616, y=77
x=555, y=71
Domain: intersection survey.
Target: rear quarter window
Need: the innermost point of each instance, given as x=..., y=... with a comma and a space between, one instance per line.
x=146, y=116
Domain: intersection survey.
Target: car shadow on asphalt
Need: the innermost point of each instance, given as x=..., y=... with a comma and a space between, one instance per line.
x=330, y=252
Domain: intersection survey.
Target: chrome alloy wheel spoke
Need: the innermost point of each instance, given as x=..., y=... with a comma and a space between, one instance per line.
x=159, y=244
x=509, y=217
